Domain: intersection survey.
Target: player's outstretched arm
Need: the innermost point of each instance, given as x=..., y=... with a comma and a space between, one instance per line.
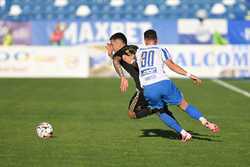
x=176, y=68
x=119, y=71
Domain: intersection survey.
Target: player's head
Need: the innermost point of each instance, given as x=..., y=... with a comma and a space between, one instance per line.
x=150, y=37
x=118, y=41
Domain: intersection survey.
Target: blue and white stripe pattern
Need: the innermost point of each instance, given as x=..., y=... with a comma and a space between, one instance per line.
x=166, y=54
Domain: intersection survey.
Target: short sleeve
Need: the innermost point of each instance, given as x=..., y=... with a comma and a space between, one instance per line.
x=165, y=54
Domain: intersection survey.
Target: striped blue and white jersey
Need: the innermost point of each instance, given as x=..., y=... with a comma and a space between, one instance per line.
x=151, y=61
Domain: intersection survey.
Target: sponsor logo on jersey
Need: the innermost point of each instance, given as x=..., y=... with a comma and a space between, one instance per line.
x=148, y=71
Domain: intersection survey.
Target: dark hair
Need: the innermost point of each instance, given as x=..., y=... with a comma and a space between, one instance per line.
x=120, y=36
x=150, y=34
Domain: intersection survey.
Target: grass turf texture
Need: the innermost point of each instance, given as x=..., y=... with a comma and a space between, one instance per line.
x=91, y=126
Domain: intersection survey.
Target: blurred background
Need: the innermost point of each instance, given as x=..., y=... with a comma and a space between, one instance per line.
x=66, y=38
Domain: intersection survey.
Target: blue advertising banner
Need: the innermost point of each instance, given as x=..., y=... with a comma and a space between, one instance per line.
x=73, y=33
x=182, y=31
x=239, y=32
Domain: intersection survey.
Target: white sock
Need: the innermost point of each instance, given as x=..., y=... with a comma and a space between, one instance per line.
x=203, y=120
x=183, y=132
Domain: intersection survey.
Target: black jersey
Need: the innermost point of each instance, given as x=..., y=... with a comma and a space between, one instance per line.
x=131, y=69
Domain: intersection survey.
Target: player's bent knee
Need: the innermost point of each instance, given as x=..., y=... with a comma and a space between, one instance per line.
x=131, y=115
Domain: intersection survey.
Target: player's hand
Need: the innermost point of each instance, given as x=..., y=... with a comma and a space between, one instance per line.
x=196, y=80
x=109, y=49
x=124, y=84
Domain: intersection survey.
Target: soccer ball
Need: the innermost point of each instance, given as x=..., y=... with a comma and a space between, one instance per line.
x=44, y=130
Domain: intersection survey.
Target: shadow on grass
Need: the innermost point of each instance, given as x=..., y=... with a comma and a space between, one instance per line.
x=171, y=135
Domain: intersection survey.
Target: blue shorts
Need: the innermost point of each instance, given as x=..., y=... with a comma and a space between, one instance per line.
x=160, y=92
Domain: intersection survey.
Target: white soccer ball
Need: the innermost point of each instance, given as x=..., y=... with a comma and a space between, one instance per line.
x=44, y=130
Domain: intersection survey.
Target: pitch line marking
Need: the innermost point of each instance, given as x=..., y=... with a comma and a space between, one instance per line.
x=232, y=87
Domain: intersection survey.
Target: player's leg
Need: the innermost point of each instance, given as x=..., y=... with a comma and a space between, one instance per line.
x=194, y=113
x=174, y=96
x=172, y=123
x=132, y=105
x=190, y=110
x=152, y=93
x=167, y=111
x=138, y=107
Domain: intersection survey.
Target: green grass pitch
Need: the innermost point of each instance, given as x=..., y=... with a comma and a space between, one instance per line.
x=92, y=129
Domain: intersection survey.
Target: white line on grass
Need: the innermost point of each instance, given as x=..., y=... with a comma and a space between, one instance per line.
x=231, y=87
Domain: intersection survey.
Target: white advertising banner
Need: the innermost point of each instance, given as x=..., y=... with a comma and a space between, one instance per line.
x=205, y=61
x=209, y=61
x=38, y=62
